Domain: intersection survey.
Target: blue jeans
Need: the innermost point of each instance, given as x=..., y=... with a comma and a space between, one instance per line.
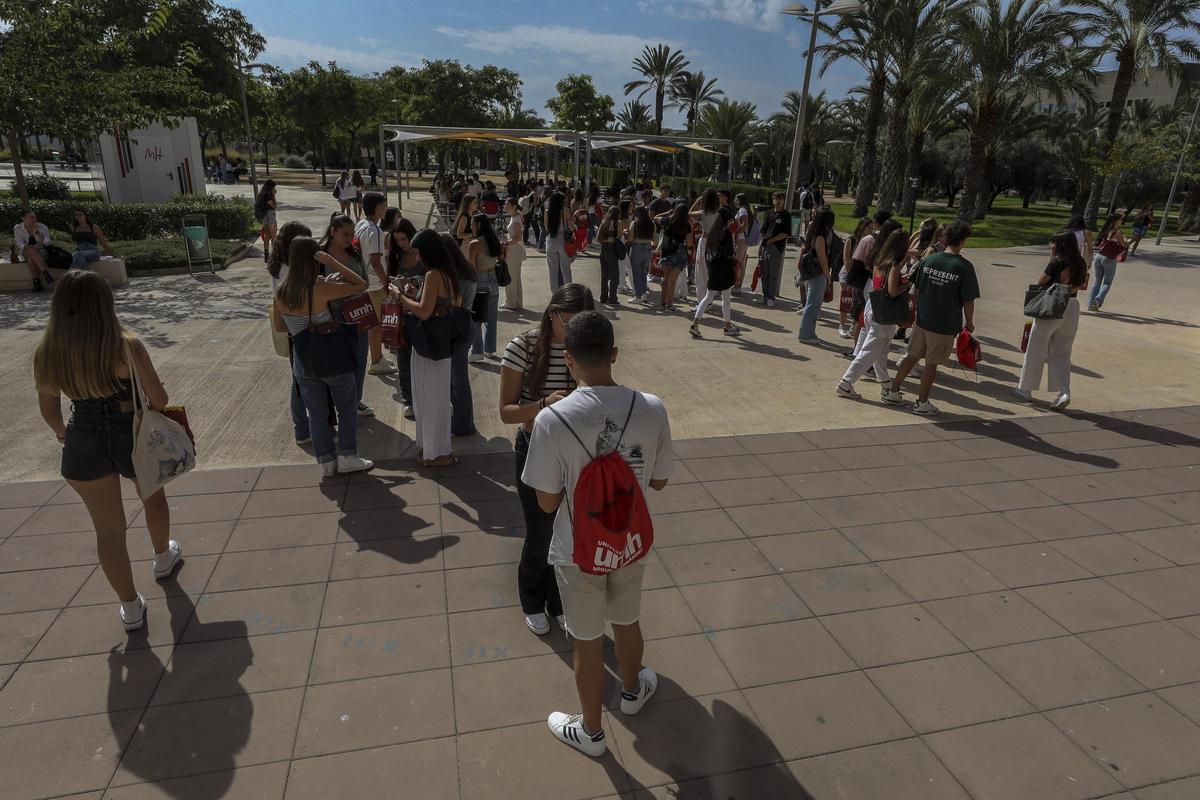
x=296, y=404
x=361, y=349
x=639, y=264
x=462, y=408
x=85, y=253
x=315, y=392
x=812, y=306
x=486, y=284
x=1104, y=272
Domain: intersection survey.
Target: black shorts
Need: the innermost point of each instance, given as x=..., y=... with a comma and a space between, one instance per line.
x=98, y=445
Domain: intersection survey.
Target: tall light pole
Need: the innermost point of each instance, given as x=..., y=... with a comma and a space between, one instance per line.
x=1162, y=226
x=834, y=7
x=242, y=70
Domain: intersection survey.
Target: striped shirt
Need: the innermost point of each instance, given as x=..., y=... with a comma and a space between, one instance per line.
x=519, y=356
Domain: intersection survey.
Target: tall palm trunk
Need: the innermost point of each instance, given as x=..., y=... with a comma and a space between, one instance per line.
x=865, y=192
x=916, y=144
x=658, y=109
x=987, y=194
x=1083, y=192
x=1189, y=209
x=895, y=154
x=983, y=132
x=1112, y=127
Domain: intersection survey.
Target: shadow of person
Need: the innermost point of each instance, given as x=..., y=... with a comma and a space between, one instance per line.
x=709, y=748
x=180, y=738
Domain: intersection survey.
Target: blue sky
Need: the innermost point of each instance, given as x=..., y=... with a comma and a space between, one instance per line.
x=753, y=51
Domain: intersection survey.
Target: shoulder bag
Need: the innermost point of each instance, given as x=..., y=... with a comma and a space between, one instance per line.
x=503, y=274
x=162, y=448
x=889, y=310
x=1047, y=302
x=439, y=336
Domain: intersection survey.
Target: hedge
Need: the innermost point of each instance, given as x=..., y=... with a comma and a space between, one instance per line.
x=228, y=218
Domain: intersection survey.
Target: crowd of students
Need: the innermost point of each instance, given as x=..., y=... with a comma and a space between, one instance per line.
x=586, y=448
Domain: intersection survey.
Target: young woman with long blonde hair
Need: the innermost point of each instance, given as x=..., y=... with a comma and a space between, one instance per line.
x=87, y=355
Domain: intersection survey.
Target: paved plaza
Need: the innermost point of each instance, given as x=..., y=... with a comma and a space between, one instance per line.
x=846, y=602
x=1019, y=617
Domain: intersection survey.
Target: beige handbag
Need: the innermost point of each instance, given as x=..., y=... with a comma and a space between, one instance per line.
x=279, y=339
x=162, y=450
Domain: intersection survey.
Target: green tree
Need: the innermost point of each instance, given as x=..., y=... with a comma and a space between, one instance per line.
x=927, y=121
x=1139, y=34
x=690, y=92
x=447, y=93
x=578, y=107
x=729, y=119
x=861, y=37
x=634, y=117
x=659, y=66
x=1009, y=50
x=306, y=94
x=916, y=49
x=818, y=124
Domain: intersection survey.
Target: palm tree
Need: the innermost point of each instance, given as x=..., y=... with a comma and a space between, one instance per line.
x=927, y=122
x=818, y=114
x=729, y=119
x=916, y=49
x=862, y=38
x=692, y=91
x=634, y=117
x=1010, y=49
x=1139, y=34
x=659, y=67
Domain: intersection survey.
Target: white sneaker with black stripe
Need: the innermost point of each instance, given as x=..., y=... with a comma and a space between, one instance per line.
x=647, y=685
x=569, y=728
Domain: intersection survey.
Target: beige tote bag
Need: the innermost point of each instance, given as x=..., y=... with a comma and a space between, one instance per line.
x=162, y=450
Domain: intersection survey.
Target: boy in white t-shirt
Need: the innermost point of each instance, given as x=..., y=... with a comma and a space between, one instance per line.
x=604, y=415
x=370, y=242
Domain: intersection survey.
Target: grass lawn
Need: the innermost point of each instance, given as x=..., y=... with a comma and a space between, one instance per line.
x=1006, y=225
x=143, y=255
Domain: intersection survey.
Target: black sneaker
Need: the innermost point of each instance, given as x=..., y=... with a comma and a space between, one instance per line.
x=37, y=285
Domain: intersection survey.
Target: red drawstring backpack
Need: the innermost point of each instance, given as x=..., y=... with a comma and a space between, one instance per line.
x=969, y=351
x=611, y=522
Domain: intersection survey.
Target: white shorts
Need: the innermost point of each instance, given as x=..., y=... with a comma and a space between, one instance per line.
x=589, y=601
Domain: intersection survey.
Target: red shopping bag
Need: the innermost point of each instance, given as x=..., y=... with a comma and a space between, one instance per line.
x=1025, y=336
x=970, y=353
x=754, y=279
x=912, y=312
x=360, y=312
x=656, y=269
x=391, y=328
x=846, y=300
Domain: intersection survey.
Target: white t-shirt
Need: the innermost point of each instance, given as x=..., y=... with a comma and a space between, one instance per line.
x=24, y=239
x=475, y=189
x=596, y=415
x=370, y=240
x=346, y=189
x=742, y=214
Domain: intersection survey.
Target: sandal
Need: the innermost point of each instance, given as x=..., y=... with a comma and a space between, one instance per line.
x=440, y=462
x=695, y=331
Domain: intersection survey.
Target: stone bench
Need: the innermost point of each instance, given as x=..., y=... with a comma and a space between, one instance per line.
x=15, y=277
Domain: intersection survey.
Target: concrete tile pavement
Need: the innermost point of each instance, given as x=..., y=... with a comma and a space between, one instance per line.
x=326, y=639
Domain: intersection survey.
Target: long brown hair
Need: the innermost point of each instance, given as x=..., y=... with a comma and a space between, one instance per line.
x=283, y=243
x=83, y=344
x=894, y=252
x=303, y=271
x=1066, y=250
x=570, y=298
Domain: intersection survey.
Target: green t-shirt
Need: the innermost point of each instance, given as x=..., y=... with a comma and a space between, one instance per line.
x=945, y=283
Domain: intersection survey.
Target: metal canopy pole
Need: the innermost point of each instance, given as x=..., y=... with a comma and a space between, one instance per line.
x=1162, y=227
x=383, y=158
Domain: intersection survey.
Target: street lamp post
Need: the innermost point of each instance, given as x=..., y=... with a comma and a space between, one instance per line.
x=1162, y=226
x=242, y=70
x=831, y=7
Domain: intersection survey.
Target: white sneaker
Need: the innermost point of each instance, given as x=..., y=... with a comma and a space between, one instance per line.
x=365, y=410
x=561, y=619
x=647, y=685
x=353, y=464
x=328, y=468
x=166, y=562
x=1061, y=402
x=925, y=408
x=1022, y=395
x=381, y=367
x=847, y=390
x=408, y=412
x=133, y=614
x=538, y=623
x=475, y=357
x=844, y=333
x=769, y=303
x=893, y=398
x=569, y=729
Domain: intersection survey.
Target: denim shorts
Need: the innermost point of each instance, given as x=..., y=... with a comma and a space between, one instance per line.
x=98, y=445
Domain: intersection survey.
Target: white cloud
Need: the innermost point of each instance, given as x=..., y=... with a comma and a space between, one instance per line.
x=371, y=57
x=762, y=15
x=615, y=50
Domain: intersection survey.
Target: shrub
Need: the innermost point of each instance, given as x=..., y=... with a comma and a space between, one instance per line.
x=43, y=187
x=293, y=161
x=227, y=218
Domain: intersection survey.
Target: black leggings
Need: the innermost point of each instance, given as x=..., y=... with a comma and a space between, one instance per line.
x=610, y=273
x=536, y=584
